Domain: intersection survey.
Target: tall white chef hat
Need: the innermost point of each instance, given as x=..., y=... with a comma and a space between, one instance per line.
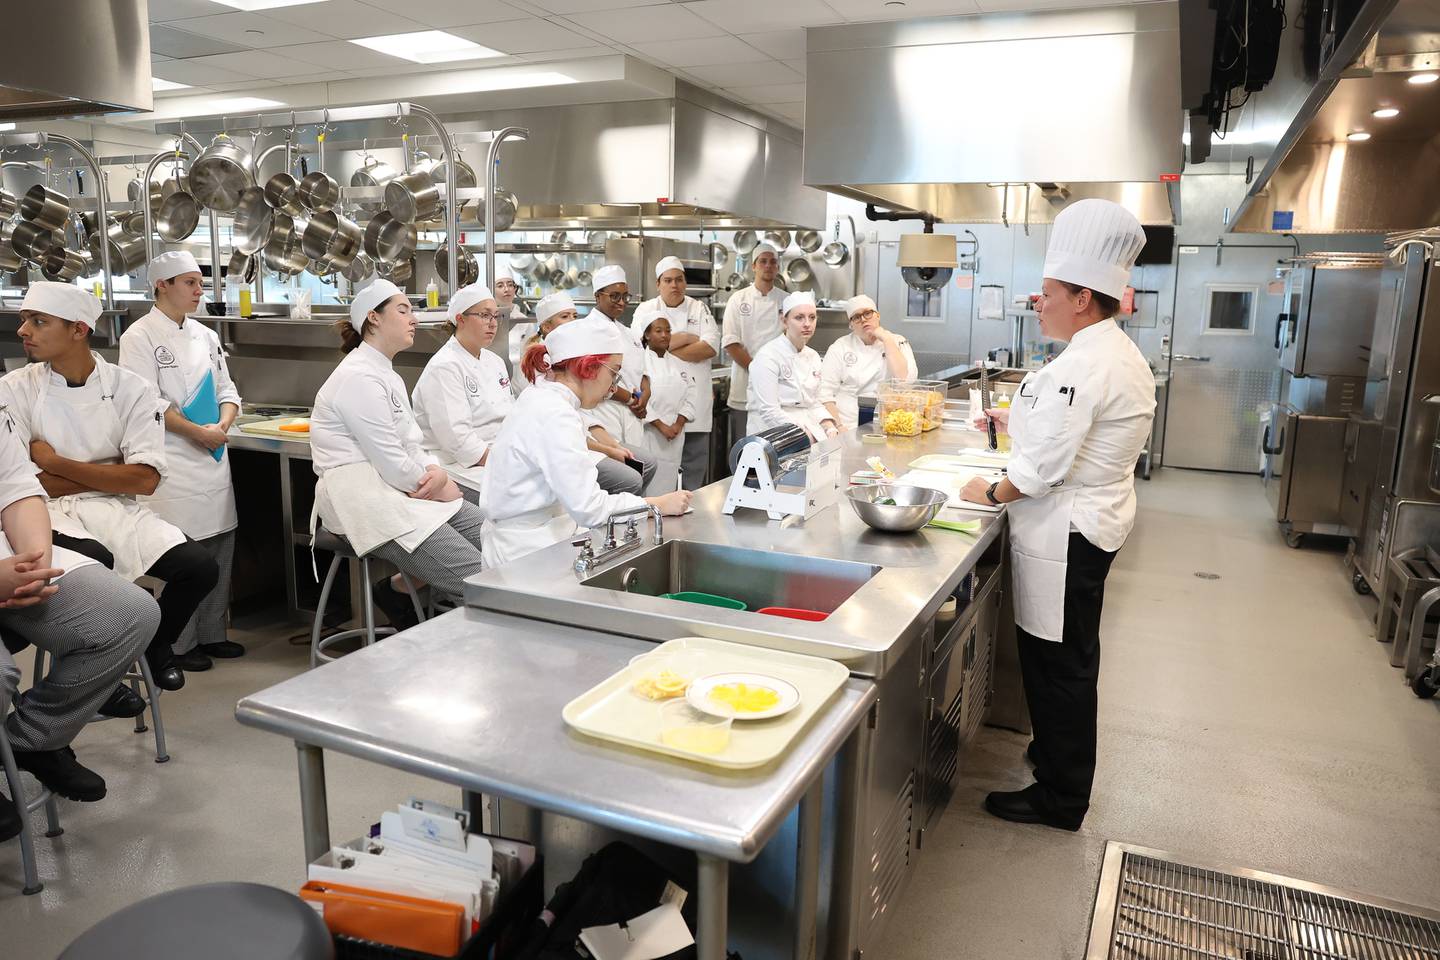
x=369, y=298
x=607, y=275
x=764, y=246
x=1094, y=244
x=466, y=298
x=551, y=305
x=859, y=304
x=63, y=300
x=170, y=265
x=797, y=299
x=594, y=334
x=668, y=263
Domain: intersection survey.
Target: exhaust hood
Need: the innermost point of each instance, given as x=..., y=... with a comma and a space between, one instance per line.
x=1001, y=118
x=75, y=58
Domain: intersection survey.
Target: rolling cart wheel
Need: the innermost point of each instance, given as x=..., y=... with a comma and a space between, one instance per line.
x=1293, y=539
x=1361, y=585
x=1423, y=686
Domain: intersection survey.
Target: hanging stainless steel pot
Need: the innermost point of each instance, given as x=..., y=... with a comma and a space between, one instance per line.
x=133, y=224
x=387, y=238
x=467, y=267
x=32, y=241
x=799, y=270
x=220, y=175
x=396, y=272
x=282, y=251
x=745, y=241
x=283, y=193
x=413, y=197
x=177, y=218
x=464, y=180
x=506, y=206
x=835, y=254
x=45, y=207
x=780, y=238
x=127, y=254
x=238, y=263
x=8, y=204
x=522, y=262
x=252, y=221
x=362, y=268
x=375, y=173
x=318, y=192
x=808, y=240
x=62, y=265
x=138, y=194
x=10, y=261
x=333, y=238
x=317, y=233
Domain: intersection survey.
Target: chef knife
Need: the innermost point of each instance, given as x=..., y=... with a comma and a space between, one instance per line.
x=985, y=405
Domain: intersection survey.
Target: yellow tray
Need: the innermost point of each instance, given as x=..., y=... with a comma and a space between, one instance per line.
x=610, y=711
x=271, y=428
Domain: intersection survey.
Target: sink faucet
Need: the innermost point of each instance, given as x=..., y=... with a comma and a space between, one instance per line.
x=589, y=559
x=631, y=530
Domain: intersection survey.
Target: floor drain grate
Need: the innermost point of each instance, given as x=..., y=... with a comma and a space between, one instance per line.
x=1152, y=906
x=1203, y=575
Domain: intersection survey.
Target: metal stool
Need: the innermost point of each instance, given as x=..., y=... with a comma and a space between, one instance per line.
x=220, y=921
x=1411, y=573
x=367, y=631
x=137, y=676
x=25, y=807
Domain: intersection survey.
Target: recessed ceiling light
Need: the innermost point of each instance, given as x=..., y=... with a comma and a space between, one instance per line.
x=1358, y=136
x=240, y=104
x=265, y=4
x=1419, y=78
x=1385, y=113
x=428, y=46
x=894, y=3
x=159, y=84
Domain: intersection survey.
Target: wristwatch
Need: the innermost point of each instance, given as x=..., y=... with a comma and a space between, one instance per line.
x=990, y=493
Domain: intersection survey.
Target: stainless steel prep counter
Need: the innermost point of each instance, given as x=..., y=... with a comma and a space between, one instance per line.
x=474, y=699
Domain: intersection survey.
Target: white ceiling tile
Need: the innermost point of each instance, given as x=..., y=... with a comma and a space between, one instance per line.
x=864, y=11
x=162, y=10
x=797, y=65
x=1010, y=6
x=180, y=45
x=758, y=16
x=667, y=21
x=763, y=72
x=586, y=6
x=196, y=74
x=247, y=29
x=698, y=53
x=347, y=19
x=255, y=63
x=780, y=44
x=455, y=13
x=574, y=53
x=531, y=35
x=770, y=93
x=338, y=55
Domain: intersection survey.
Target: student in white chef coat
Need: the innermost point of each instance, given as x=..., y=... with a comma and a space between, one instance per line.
x=752, y=319
x=785, y=376
x=378, y=487
x=671, y=405
x=540, y=482
x=183, y=360
x=695, y=340
x=856, y=363
x=519, y=327
x=622, y=414
x=1076, y=429
x=97, y=435
x=464, y=392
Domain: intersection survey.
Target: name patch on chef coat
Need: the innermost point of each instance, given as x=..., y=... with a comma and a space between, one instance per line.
x=471, y=386
x=164, y=357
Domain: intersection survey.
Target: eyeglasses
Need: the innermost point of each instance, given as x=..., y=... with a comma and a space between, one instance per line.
x=614, y=373
x=617, y=297
x=864, y=315
x=490, y=316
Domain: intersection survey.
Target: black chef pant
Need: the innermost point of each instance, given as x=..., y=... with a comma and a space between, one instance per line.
x=1061, y=686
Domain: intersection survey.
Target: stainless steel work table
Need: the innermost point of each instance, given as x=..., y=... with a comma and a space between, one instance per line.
x=473, y=699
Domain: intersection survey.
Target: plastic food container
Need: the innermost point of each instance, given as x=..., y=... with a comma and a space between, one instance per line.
x=708, y=599
x=925, y=396
x=900, y=412
x=682, y=727
x=794, y=613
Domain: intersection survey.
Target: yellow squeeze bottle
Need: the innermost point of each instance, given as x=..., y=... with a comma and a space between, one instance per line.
x=244, y=302
x=1002, y=439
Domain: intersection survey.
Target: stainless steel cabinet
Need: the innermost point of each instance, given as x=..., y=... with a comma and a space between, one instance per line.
x=1304, y=474
x=1330, y=313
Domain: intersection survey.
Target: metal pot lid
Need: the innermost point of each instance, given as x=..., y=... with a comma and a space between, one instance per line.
x=178, y=217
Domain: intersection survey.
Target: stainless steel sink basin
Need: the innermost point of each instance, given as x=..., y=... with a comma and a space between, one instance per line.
x=757, y=578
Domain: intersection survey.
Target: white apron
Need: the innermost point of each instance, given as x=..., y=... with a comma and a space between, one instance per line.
x=86, y=431
x=196, y=494
x=1039, y=548
x=360, y=506
x=502, y=541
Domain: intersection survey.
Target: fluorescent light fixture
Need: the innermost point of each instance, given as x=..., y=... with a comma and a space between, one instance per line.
x=6, y=126
x=1358, y=136
x=428, y=46
x=160, y=84
x=1385, y=113
x=264, y=4
x=1419, y=78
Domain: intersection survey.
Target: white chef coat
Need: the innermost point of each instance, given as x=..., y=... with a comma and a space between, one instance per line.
x=114, y=417
x=196, y=494
x=613, y=415
x=541, y=485
x=752, y=319
x=785, y=388
x=669, y=398
x=460, y=402
x=853, y=369
x=17, y=482
x=691, y=316
x=1077, y=427
x=522, y=328
x=363, y=418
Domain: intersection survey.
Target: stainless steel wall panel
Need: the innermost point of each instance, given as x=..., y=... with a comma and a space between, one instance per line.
x=718, y=161
x=73, y=57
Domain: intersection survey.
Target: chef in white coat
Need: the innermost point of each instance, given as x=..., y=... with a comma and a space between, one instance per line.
x=671, y=405
x=785, y=376
x=379, y=488
x=694, y=339
x=97, y=435
x=751, y=320
x=1077, y=427
x=540, y=482
x=183, y=360
x=856, y=364
x=519, y=326
x=464, y=392
x=622, y=414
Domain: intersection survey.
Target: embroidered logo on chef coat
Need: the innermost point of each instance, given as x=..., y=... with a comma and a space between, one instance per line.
x=745, y=308
x=786, y=372
x=504, y=381
x=850, y=358
x=471, y=386
x=164, y=357
x=394, y=400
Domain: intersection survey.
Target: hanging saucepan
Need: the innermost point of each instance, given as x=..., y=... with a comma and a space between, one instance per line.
x=362, y=268
x=560, y=237
x=600, y=237
x=220, y=175
x=557, y=280
x=780, y=238
x=835, y=254
x=127, y=254
x=252, y=221
x=133, y=224
x=719, y=255
x=62, y=265
x=238, y=263
x=283, y=193
x=395, y=272
x=585, y=279
x=469, y=270
x=8, y=204
x=506, y=206
x=32, y=241
x=808, y=240
x=798, y=270
x=10, y=261
x=734, y=282
x=745, y=241
x=137, y=193
x=45, y=207
x=413, y=197
x=522, y=262
x=375, y=173
x=317, y=233
x=177, y=217
x=387, y=238
x=346, y=245
x=318, y=192
x=282, y=251
x=464, y=180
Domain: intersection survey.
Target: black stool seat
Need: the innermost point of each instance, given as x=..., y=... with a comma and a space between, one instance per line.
x=333, y=543
x=217, y=921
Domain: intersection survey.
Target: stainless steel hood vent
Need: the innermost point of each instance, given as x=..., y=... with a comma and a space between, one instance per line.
x=999, y=118
x=68, y=58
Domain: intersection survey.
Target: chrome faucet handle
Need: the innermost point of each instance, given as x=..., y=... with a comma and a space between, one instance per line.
x=632, y=530
x=659, y=524
x=586, y=559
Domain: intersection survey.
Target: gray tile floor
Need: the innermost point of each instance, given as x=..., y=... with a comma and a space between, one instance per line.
x=1249, y=719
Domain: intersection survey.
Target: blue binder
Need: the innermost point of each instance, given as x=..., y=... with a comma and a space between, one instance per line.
x=203, y=408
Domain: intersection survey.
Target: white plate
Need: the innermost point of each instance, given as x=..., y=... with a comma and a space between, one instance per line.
x=699, y=695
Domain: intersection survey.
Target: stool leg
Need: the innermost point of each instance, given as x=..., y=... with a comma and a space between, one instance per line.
x=152, y=697
x=17, y=796
x=368, y=611
x=140, y=718
x=320, y=611
x=52, y=817
x=414, y=597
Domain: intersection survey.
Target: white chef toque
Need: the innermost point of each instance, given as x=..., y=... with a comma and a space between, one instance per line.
x=170, y=265
x=369, y=298
x=1094, y=244
x=592, y=335
x=63, y=300
x=668, y=263
x=551, y=305
x=859, y=304
x=763, y=247
x=467, y=298
x=607, y=276
x=799, y=298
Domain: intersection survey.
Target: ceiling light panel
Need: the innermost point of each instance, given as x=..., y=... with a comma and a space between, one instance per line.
x=159, y=85
x=428, y=46
x=252, y=5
